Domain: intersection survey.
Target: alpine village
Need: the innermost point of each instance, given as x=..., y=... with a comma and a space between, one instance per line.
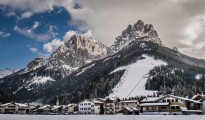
x=137, y=75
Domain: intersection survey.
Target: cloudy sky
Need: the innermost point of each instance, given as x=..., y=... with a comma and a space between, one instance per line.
x=35, y=28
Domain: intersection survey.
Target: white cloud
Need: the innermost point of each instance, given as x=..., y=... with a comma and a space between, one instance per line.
x=29, y=32
x=193, y=33
x=26, y=14
x=33, y=50
x=4, y=34
x=35, y=25
x=107, y=18
x=70, y=33
x=53, y=45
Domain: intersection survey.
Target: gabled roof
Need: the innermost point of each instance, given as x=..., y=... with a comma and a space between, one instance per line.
x=5, y=104
x=154, y=104
x=156, y=99
x=129, y=101
x=96, y=101
x=45, y=106
x=198, y=97
x=56, y=107
x=19, y=104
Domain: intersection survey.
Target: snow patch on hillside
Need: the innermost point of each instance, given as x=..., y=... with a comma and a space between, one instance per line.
x=85, y=68
x=133, y=81
x=198, y=76
x=6, y=72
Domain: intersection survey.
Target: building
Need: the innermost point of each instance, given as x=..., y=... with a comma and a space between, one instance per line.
x=46, y=109
x=170, y=104
x=130, y=103
x=56, y=109
x=97, y=105
x=72, y=108
x=112, y=105
x=86, y=107
x=14, y=108
x=129, y=111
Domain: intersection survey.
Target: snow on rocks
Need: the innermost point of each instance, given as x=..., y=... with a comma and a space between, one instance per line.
x=198, y=76
x=133, y=81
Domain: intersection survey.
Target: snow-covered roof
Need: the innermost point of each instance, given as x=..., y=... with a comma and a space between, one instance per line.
x=19, y=104
x=150, y=99
x=45, y=106
x=153, y=104
x=5, y=104
x=195, y=96
x=69, y=105
x=193, y=111
x=96, y=101
x=185, y=99
x=55, y=107
x=156, y=99
x=130, y=101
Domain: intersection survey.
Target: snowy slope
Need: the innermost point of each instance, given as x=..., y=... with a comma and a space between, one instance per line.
x=133, y=81
x=6, y=72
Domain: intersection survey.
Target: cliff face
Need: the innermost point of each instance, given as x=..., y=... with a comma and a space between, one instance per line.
x=79, y=51
x=137, y=32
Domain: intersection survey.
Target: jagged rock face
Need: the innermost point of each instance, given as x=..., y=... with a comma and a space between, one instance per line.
x=79, y=51
x=139, y=31
x=34, y=64
x=75, y=53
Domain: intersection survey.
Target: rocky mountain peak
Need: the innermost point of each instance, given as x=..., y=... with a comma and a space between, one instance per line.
x=137, y=32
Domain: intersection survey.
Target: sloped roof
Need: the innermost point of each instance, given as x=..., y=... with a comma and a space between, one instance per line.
x=154, y=104
x=156, y=99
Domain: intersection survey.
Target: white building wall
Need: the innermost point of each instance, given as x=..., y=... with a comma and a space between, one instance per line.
x=203, y=107
x=97, y=109
x=86, y=107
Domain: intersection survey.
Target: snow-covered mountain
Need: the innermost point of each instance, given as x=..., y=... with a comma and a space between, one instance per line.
x=137, y=32
x=6, y=72
x=74, y=53
x=136, y=64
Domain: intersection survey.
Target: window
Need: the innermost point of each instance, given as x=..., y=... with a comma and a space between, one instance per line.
x=85, y=108
x=177, y=107
x=122, y=104
x=85, y=103
x=163, y=107
x=163, y=101
x=92, y=105
x=81, y=104
x=173, y=107
x=88, y=103
x=168, y=100
x=88, y=108
x=176, y=100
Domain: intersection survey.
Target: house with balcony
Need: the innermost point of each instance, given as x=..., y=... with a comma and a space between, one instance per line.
x=112, y=105
x=170, y=104
x=14, y=108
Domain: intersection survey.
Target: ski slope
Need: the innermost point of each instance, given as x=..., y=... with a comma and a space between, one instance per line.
x=133, y=81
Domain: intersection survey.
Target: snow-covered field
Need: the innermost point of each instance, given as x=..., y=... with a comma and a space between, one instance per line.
x=133, y=81
x=100, y=117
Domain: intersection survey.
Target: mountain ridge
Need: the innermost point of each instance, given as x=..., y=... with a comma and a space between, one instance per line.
x=96, y=78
